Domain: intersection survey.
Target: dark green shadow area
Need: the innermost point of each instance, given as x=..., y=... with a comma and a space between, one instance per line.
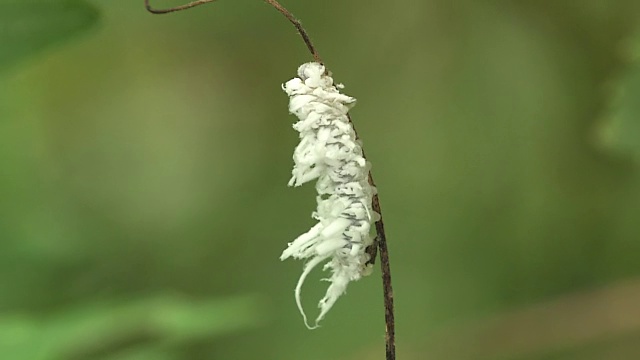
x=27, y=27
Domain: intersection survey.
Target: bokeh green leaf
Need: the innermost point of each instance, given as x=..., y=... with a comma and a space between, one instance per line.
x=133, y=330
x=28, y=26
x=620, y=132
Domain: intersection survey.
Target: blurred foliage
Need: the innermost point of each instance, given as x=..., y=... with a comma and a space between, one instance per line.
x=143, y=203
x=150, y=327
x=27, y=26
x=621, y=130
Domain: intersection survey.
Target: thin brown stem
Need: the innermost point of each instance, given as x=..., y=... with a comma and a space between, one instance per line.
x=298, y=25
x=292, y=19
x=387, y=288
x=385, y=267
x=177, y=8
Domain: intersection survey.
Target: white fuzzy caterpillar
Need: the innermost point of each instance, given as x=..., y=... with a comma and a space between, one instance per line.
x=329, y=152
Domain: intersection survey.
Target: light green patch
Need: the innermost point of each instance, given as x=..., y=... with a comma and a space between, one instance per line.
x=620, y=132
x=130, y=330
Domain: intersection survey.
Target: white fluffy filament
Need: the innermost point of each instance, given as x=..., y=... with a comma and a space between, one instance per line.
x=329, y=152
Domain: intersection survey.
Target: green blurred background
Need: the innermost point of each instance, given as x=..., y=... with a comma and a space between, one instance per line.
x=144, y=162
